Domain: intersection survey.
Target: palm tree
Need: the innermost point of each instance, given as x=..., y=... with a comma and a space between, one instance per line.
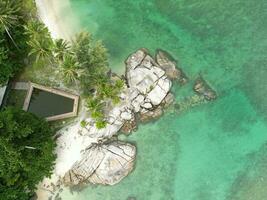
x=40, y=41
x=60, y=49
x=94, y=104
x=41, y=49
x=70, y=69
x=106, y=90
x=35, y=29
x=9, y=16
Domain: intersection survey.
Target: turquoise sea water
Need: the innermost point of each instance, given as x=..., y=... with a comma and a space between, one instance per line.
x=213, y=151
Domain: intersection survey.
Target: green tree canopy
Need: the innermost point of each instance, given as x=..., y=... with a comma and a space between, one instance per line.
x=21, y=35
x=26, y=149
x=61, y=48
x=40, y=42
x=92, y=56
x=70, y=69
x=14, y=15
x=9, y=16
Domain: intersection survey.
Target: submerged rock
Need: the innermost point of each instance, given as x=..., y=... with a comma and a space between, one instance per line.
x=169, y=65
x=104, y=164
x=169, y=99
x=131, y=198
x=202, y=88
x=147, y=115
x=129, y=126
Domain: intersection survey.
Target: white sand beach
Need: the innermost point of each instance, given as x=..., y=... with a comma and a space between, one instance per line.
x=69, y=147
x=61, y=22
x=58, y=17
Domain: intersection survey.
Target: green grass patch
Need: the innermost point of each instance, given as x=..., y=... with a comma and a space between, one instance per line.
x=16, y=98
x=42, y=73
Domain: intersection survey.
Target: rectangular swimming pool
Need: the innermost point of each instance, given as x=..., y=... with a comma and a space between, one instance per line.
x=50, y=103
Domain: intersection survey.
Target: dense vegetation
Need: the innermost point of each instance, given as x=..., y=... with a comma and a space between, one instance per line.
x=26, y=145
x=14, y=16
x=85, y=64
x=26, y=149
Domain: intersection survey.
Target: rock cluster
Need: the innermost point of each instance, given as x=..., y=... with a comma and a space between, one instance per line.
x=203, y=89
x=103, y=164
x=148, y=83
x=148, y=92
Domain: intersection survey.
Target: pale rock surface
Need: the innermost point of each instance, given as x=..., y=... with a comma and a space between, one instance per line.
x=135, y=59
x=103, y=164
x=126, y=115
x=148, y=78
x=159, y=92
x=147, y=105
x=137, y=102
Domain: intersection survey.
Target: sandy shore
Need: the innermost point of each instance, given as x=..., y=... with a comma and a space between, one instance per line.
x=58, y=17
x=69, y=147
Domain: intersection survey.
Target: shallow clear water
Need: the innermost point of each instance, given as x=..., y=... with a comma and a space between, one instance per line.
x=214, y=151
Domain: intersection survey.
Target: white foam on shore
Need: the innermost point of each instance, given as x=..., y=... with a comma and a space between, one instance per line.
x=58, y=16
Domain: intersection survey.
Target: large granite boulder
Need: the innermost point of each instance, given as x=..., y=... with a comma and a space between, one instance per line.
x=104, y=164
x=135, y=59
x=169, y=65
x=144, y=75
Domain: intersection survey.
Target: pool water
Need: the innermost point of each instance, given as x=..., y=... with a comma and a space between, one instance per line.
x=213, y=151
x=47, y=104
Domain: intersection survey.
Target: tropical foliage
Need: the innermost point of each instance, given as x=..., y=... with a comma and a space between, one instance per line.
x=26, y=149
x=14, y=15
x=9, y=17
x=70, y=69
x=96, y=82
x=85, y=63
x=61, y=48
x=40, y=42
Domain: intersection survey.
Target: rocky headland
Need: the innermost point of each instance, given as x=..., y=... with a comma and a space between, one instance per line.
x=90, y=155
x=147, y=94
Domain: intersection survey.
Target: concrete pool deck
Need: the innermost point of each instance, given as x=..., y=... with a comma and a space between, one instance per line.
x=33, y=86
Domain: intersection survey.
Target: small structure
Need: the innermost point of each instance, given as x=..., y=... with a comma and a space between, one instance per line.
x=2, y=93
x=53, y=104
